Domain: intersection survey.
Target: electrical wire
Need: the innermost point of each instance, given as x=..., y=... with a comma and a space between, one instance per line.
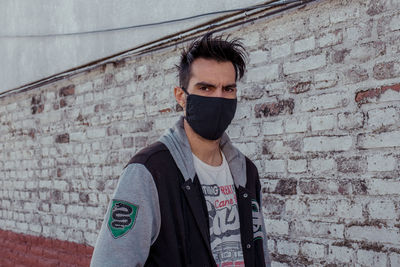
x=266, y=5
x=153, y=47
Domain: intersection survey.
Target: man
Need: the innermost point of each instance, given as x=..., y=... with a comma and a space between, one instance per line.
x=190, y=199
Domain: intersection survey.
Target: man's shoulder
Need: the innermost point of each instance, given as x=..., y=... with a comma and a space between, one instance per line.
x=154, y=150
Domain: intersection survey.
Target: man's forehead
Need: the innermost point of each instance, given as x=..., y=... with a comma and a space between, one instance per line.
x=209, y=69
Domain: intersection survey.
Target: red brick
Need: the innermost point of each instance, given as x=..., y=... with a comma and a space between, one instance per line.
x=275, y=108
x=36, y=250
x=21, y=248
x=385, y=70
x=363, y=97
x=300, y=87
x=50, y=253
x=47, y=263
x=83, y=261
x=62, y=138
x=6, y=262
x=67, y=90
x=66, y=258
x=165, y=110
x=27, y=260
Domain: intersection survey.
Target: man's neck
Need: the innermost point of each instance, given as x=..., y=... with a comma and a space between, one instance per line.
x=207, y=151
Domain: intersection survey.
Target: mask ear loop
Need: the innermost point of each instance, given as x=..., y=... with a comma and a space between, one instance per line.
x=184, y=90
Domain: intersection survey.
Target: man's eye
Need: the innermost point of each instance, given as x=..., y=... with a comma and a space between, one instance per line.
x=230, y=89
x=204, y=88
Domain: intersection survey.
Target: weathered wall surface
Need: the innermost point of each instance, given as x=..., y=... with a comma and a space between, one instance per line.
x=319, y=113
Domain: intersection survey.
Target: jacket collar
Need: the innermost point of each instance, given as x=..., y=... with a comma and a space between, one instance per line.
x=178, y=144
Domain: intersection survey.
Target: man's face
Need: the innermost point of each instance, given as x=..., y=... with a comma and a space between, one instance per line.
x=212, y=78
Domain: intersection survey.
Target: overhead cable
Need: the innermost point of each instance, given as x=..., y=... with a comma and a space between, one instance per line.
x=249, y=8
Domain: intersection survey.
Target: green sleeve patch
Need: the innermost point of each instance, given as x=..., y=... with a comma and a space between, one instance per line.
x=122, y=217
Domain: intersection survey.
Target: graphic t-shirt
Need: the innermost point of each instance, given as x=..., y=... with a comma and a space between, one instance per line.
x=223, y=214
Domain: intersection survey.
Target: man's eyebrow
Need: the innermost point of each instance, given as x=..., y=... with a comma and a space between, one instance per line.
x=204, y=84
x=212, y=85
x=230, y=85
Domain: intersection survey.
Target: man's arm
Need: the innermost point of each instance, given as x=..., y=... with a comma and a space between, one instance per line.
x=132, y=221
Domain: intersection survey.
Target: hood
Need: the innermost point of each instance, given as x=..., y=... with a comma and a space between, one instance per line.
x=176, y=141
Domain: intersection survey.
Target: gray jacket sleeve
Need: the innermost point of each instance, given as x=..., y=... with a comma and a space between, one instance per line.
x=265, y=238
x=132, y=222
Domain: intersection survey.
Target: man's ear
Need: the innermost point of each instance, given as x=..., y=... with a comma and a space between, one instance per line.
x=180, y=96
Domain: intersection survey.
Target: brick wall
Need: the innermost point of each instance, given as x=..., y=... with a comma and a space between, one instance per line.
x=319, y=114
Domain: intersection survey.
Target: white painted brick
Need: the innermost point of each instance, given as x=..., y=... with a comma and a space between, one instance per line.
x=75, y=209
x=141, y=69
x=371, y=258
x=331, y=38
x=324, y=101
x=373, y=234
x=83, y=88
x=251, y=131
x=248, y=148
x=271, y=245
x=276, y=88
x=60, y=185
x=394, y=259
x=58, y=208
x=394, y=24
x=327, y=143
x=326, y=122
x=274, y=166
x=321, y=207
x=384, y=187
x=315, y=251
x=348, y=210
x=325, y=80
x=309, y=63
x=341, y=254
x=382, y=117
x=264, y=73
x=46, y=140
x=382, y=163
x=272, y=127
x=242, y=112
x=78, y=136
x=91, y=224
x=36, y=228
x=253, y=38
x=279, y=264
x=276, y=227
x=124, y=75
x=90, y=238
x=22, y=226
x=45, y=184
x=350, y=120
x=287, y=248
x=279, y=51
x=382, y=209
x=258, y=57
x=170, y=62
x=390, y=95
x=29, y=206
x=96, y=133
x=319, y=229
x=12, y=107
x=304, y=44
x=322, y=165
x=295, y=125
x=347, y=13
x=297, y=166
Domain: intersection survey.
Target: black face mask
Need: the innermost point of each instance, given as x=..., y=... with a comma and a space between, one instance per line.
x=209, y=116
